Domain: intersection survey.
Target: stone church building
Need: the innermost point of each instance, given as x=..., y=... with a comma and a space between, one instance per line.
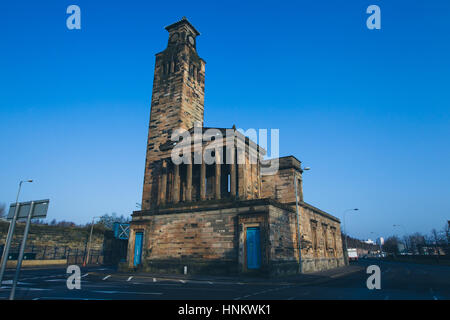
x=226, y=217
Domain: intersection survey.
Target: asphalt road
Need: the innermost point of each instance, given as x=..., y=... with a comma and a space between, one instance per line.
x=398, y=281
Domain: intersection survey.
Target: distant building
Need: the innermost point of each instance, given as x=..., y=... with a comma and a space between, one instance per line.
x=401, y=247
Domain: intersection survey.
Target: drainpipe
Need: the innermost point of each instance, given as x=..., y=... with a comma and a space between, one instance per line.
x=298, y=228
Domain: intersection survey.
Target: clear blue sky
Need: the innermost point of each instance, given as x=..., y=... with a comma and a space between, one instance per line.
x=368, y=111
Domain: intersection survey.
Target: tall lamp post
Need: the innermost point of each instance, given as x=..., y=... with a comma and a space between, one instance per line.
x=86, y=260
x=299, y=241
x=12, y=225
x=345, y=231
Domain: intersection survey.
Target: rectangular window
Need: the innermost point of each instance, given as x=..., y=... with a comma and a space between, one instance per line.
x=325, y=238
x=314, y=237
x=334, y=241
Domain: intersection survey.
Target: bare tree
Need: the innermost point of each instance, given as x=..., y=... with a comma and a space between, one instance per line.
x=391, y=245
x=407, y=241
x=447, y=232
x=417, y=243
x=108, y=220
x=440, y=239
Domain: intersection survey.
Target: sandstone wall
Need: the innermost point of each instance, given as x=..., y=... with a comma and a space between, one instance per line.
x=321, y=240
x=205, y=241
x=212, y=240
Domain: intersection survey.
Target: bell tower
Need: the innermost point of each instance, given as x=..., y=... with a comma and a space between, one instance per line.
x=177, y=99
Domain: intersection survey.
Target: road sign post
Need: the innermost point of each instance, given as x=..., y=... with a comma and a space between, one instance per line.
x=22, y=250
x=86, y=259
x=28, y=210
x=121, y=230
x=11, y=228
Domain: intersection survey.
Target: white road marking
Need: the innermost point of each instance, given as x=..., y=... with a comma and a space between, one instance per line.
x=19, y=283
x=64, y=298
x=262, y=292
x=130, y=278
x=154, y=279
x=432, y=292
x=182, y=281
x=210, y=282
x=84, y=275
x=28, y=289
x=126, y=292
x=56, y=280
x=106, y=277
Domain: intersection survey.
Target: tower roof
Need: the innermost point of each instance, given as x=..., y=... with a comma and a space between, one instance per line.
x=181, y=22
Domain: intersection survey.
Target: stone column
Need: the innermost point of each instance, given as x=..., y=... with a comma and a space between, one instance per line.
x=158, y=190
x=202, y=180
x=233, y=173
x=163, y=189
x=217, y=179
x=252, y=178
x=242, y=174
x=259, y=178
x=176, y=184
x=189, y=179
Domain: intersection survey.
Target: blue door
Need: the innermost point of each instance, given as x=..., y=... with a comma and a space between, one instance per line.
x=253, y=248
x=138, y=248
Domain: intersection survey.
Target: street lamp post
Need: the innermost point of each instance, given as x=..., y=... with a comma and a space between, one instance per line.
x=345, y=232
x=12, y=226
x=299, y=241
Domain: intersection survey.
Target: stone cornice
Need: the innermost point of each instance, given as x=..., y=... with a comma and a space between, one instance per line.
x=209, y=205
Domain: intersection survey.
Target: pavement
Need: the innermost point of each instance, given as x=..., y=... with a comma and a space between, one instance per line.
x=399, y=280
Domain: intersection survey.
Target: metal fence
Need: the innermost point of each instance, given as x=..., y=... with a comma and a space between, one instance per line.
x=112, y=252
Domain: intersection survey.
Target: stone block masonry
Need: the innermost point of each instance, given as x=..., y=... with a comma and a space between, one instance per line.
x=224, y=217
